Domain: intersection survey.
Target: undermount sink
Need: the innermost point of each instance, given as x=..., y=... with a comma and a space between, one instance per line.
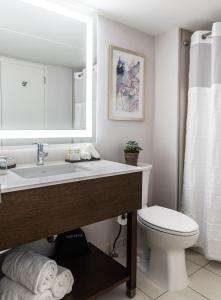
x=43, y=171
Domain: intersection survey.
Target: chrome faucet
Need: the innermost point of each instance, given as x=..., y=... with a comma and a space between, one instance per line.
x=40, y=154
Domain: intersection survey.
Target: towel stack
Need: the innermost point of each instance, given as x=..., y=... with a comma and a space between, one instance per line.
x=89, y=151
x=31, y=276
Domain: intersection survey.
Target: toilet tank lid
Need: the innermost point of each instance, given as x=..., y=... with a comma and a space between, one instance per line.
x=166, y=218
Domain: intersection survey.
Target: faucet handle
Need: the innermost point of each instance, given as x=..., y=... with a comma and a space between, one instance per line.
x=40, y=145
x=40, y=150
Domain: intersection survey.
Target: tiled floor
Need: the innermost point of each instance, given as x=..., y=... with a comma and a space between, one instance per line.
x=205, y=283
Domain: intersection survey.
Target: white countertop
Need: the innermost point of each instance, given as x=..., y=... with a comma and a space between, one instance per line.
x=94, y=169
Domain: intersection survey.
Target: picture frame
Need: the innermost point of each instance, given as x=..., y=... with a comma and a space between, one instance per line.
x=126, y=84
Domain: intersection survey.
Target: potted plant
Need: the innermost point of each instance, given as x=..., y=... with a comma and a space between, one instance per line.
x=131, y=152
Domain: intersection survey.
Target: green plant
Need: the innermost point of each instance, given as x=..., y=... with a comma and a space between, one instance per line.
x=132, y=147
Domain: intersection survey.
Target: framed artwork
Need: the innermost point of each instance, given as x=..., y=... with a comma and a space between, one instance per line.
x=126, y=85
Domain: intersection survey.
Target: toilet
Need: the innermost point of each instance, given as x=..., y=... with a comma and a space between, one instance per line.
x=167, y=233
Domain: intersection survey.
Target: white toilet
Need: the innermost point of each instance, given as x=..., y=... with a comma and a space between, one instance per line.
x=167, y=233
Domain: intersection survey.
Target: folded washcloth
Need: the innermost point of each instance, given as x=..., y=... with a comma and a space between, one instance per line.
x=34, y=271
x=91, y=149
x=63, y=283
x=10, y=290
x=85, y=155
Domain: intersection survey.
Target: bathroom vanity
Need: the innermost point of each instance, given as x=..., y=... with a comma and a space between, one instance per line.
x=36, y=204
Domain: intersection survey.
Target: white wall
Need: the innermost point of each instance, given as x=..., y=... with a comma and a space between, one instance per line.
x=165, y=152
x=112, y=135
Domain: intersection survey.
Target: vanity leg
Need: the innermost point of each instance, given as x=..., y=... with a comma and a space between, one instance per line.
x=132, y=253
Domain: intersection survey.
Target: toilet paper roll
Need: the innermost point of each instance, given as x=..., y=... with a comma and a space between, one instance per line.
x=122, y=220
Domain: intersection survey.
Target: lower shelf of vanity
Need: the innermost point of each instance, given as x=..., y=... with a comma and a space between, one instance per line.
x=94, y=274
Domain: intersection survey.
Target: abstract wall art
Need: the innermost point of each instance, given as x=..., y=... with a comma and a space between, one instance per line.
x=126, y=84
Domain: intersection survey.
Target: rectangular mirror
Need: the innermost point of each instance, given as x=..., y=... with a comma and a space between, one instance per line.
x=47, y=70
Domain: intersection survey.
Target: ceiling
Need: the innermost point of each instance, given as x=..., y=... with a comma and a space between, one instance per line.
x=157, y=16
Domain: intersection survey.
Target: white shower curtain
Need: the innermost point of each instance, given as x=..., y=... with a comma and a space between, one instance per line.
x=202, y=166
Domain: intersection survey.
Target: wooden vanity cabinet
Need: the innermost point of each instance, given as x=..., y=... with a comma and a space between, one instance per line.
x=32, y=214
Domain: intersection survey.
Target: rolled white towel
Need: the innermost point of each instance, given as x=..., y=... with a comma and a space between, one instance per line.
x=85, y=155
x=63, y=283
x=34, y=271
x=10, y=290
x=91, y=149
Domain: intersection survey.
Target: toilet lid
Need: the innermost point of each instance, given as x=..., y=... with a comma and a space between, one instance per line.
x=168, y=220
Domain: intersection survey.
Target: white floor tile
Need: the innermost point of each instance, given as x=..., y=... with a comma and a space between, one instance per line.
x=148, y=287
x=214, y=267
x=119, y=293
x=207, y=284
x=196, y=258
x=191, y=267
x=186, y=294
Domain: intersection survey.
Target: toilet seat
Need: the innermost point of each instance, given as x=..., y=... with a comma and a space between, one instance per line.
x=168, y=221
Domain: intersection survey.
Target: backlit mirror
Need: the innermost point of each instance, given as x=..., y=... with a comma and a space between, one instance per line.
x=48, y=70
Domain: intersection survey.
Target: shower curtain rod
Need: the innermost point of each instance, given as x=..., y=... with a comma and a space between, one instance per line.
x=206, y=35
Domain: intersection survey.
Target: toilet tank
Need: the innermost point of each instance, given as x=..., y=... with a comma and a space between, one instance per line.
x=146, y=169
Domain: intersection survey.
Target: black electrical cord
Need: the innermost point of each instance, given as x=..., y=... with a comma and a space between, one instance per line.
x=116, y=239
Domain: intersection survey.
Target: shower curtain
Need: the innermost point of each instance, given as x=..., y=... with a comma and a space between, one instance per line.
x=202, y=166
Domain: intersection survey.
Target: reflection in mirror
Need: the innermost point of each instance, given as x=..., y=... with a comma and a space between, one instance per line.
x=43, y=69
